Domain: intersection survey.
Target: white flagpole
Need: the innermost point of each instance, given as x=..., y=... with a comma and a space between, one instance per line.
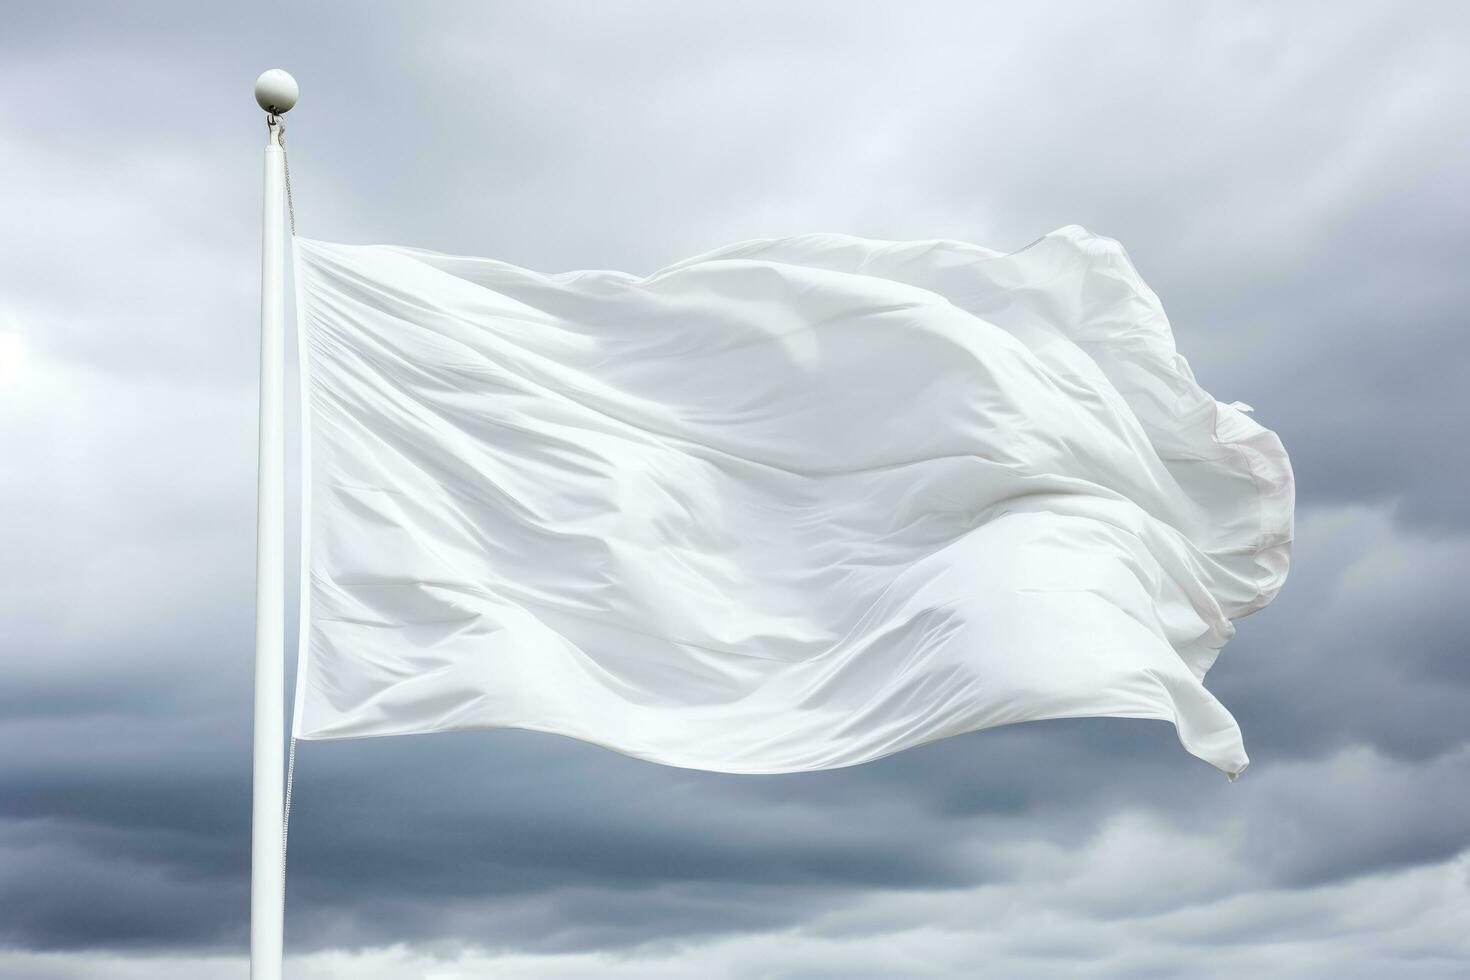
x=276, y=92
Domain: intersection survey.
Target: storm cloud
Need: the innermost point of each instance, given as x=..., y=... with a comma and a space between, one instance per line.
x=1293, y=181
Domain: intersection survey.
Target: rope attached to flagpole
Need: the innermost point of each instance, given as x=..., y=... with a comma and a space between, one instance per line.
x=286, y=818
x=277, y=125
x=273, y=121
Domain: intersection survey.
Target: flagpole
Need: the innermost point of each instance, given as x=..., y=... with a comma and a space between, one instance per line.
x=275, y=92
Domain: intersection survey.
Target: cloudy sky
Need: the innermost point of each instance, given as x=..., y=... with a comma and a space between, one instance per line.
x=1293, y=181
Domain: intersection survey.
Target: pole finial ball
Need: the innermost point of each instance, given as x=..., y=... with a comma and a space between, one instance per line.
x=276, y=91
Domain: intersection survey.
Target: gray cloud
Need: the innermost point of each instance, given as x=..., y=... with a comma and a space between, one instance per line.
x=1291, y=181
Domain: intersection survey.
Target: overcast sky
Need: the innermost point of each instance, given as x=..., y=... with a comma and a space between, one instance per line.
x=1293, y=180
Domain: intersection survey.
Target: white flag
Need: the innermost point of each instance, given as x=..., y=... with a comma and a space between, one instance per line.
x=794, y=504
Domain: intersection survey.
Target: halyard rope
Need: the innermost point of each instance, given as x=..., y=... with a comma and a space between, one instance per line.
x=286, y=818
x=274, y=121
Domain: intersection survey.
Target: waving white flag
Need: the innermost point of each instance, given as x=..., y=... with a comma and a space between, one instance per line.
x=790, y=505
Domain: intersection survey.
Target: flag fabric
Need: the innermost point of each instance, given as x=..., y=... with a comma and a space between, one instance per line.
x=793, y=504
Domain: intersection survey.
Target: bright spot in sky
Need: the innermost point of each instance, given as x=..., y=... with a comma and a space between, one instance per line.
x=10, y=357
